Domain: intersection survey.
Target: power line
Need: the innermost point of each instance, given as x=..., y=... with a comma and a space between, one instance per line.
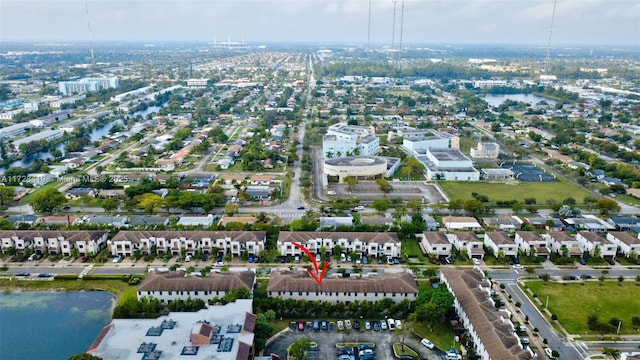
x=369, y=29
x=86, y=9
x=553, y=16
x=401, y=23
x=393, y=30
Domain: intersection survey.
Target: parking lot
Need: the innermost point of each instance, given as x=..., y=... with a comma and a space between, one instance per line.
x=327, y=340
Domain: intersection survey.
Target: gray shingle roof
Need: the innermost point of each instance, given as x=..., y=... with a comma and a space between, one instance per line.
x=383, y=283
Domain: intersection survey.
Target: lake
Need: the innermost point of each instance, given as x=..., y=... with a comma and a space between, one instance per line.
x=496, y=100
x=51, y=325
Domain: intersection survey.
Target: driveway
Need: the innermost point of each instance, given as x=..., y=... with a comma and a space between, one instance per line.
x=327, y=340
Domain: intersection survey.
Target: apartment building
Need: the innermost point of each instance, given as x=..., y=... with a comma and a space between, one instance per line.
x=174, y=285
x=371, y=287
x=54, y=242
x=362, y=243
x=491, y=330
x=629, y=245
x=125, y=243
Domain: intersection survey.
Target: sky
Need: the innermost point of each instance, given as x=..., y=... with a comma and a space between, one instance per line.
x=576, y=22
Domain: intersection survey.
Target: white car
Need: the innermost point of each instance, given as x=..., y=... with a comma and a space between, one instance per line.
x=347, y=324
x=331, y=192
x=427, y=343
x=391, y=324
x=476, y=261
x=518, y=266
x=117, y=259
x=398, y=324
x=220, y=264
x=549, y=353
x=340, y=325
x=187, y=258
x=383, y=324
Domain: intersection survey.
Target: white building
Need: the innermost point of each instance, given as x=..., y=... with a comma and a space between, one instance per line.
x=500, y=242
x=45, y=135
x=469, y=241
x=12, y=131
x=222, y=332
x=197, y=82
x=54, y=242
x=362, y=243
x=361, y=167
x=369, y=287
x=457, y=223
x=167, y=286
x=589, y=241
x=486, y=150
x=416, y=141
x=448, y=164
x=491, y=330
x=530, y=242
x=435, y=242
x=348, y=140
x=125, y=243
x=558, y=240
x=204, y=221
x=629, y=245
x=87, y=84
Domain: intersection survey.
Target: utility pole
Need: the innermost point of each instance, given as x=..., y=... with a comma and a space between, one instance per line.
x=401, y=23
x=369, y=29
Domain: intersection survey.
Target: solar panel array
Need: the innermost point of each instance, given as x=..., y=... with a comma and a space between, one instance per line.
x=226, y=344
x=215, y=339
x=235, y=328
x=146, y=347
x=168, y=324
x=154, y=355
x=154, y=331
x=190, y=350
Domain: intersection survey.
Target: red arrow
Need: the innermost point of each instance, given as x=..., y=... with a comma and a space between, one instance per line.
x=316, y=275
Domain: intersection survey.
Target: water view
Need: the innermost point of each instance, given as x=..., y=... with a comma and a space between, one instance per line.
x=496, y=100
x=37, y=325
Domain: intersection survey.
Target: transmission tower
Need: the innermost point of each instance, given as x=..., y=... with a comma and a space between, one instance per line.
x=86, y=9
x=553, y=16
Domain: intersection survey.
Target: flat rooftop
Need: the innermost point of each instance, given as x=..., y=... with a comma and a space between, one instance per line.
x=169, y=337
x=448, y=154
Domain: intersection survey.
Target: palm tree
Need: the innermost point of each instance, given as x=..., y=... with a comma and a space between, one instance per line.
x=611, y=353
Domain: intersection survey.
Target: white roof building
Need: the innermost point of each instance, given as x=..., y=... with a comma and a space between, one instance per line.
x=224, y=332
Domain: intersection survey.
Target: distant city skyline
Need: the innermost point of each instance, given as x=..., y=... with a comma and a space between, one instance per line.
x=579, y=22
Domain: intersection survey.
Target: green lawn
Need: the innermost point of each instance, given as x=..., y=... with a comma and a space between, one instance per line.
x=573, y=303
x=466, y=144
x=541, y=191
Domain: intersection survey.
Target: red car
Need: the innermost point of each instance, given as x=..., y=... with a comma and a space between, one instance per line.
x=300, y=325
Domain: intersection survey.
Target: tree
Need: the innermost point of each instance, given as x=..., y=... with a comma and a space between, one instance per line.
x=411, y=166
x=299, y=349
x=380, y=205
x=47, y=200
x=350, y=181
x=385, y=186
x=611, y=353
x=231, y=209
x=606, y=206
x=455, y=205
x=6, y=194
x=84, y=356
x=110, y=204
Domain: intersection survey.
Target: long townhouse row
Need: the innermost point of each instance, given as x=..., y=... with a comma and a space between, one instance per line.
x=532, y=243
x=127, y=243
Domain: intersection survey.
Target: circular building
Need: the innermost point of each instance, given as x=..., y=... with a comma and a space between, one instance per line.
x=362, y=167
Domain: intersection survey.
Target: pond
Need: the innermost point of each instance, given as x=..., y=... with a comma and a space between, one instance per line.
x=51, y=325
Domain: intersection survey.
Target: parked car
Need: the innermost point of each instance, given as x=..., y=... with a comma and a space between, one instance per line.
x=347, y=324
x=427, y=343
x=398, y=324
x=187, y=258
x=205, y=257
x=367, y=325
x=356, y=325
x=220, y=264
x=324, y=325
x=383, y=324
x=300, y=325
x=549, y=353
x=518, y=266
x=316, y=325
x=117, y=259
x=340, y=325
x=476, y=261
x=583, y=261
x=22, y=273
x=391, y=324
x=300, y=207
x=376, y=326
